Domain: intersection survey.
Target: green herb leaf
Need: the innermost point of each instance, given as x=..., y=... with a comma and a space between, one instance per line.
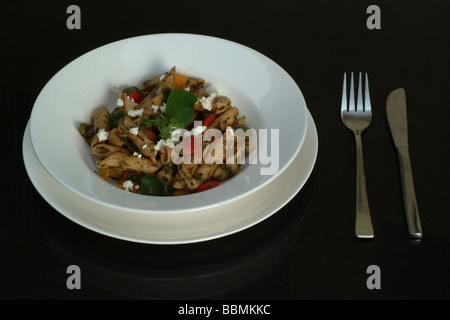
x=154, y=121
x=166, y=91
x=115, y=117
x=130, y=90
x=130, y=145
x=228, y=172
x=180, y=110
x=164, y=131
x=87, y=131
x=147, y=122
x=170, y=167
x=151, y=185
x=180, y=107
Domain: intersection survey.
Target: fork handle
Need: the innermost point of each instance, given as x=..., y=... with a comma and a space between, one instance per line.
x=363, y=223
x=412, y=213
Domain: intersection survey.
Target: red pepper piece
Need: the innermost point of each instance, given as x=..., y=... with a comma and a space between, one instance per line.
x=207, y=185
x=150, y=134
x=136, y=97
x=207, y=122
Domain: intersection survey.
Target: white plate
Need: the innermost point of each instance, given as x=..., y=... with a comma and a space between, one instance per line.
x=198, y=226
x=262, y=90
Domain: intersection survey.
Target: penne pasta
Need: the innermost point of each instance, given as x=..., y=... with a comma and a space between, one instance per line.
x=143, y=143
x=187, y=170
x=127, y=103
x=166, y=175
x=151, y=83
x=221, y=104
x=115, y=139
x=152, y=101
x=194, y=84
x=100, y=119
x=225, y=171
x=165, y=155
x=225, y=119
x=129, y=122
x=124, y=162
x=135, y=142
x=202, y=174
x=103, y=150
x=239, y=122
x=179, y=182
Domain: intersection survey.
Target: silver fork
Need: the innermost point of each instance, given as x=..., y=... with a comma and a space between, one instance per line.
x=357, y=118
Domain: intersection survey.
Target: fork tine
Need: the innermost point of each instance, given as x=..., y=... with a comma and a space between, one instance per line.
x=359, y=102
x=351, y=106
x=344, y=94
x=367, y=106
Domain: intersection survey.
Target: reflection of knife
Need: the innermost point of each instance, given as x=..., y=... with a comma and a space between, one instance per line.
x=397, y=119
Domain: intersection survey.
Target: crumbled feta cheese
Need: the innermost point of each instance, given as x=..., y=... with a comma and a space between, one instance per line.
x=134, y=130
x=170, y=143
x=198, y=130
x=102, y=135
x=155, y=108
x=144, y=146
x=161, y=143
x=138, y=155
x=128, y=185
x=136, y=113
x=137, y=187
x=162, y=77
x=163, y=108
x=207, y=101
x=176, y=134
x=119, y=102
x=187, y=89
x=132, y=100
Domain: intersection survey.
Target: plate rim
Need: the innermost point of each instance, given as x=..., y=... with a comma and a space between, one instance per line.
x=28, y=150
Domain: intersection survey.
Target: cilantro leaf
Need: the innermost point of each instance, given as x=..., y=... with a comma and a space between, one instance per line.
x=149, y=122
x=164, y=131
x=161, y=123
x=180, y=107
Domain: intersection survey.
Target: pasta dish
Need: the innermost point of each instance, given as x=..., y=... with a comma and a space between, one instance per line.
x=171, y=136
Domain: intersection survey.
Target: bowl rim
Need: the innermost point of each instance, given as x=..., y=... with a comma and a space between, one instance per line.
x=281, y=169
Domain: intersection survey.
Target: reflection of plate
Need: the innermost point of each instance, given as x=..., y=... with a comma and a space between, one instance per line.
x=176, y=228
x=254, y=83
x=190, y=271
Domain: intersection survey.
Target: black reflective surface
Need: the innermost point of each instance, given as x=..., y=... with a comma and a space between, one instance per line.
x=307, y=250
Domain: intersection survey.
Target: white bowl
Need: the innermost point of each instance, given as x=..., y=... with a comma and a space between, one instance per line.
x=262, y=90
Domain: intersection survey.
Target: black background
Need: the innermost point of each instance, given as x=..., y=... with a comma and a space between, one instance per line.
x=308, y=249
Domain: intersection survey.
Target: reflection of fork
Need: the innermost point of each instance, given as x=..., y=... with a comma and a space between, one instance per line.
x=357, y=118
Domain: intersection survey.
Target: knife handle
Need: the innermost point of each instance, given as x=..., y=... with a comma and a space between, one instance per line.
x=409, y=195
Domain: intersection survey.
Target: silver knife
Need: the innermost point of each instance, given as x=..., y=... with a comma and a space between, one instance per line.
x=398, y=124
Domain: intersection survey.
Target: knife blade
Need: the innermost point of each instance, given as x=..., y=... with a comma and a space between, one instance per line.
x=398, y=125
